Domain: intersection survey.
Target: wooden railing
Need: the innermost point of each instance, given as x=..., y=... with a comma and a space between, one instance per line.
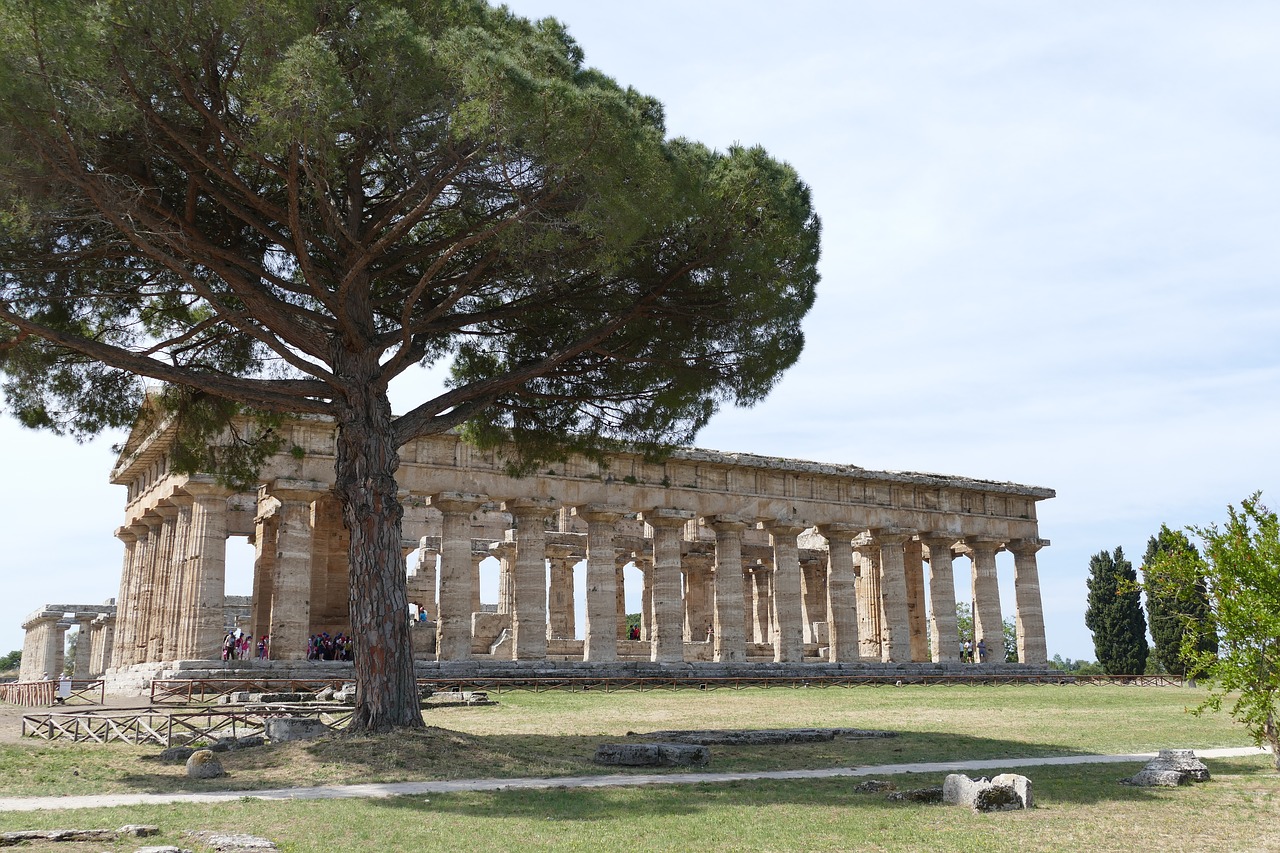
x=170, y=726
x=33, y=694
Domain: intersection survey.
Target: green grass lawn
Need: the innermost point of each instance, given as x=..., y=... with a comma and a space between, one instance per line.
x=556, y=733
x=1079, y=809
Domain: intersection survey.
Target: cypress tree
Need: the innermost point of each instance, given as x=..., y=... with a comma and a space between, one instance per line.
x=1176, y=604
x=1114, y=615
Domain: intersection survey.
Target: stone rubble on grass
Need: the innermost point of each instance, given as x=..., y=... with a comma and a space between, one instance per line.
x=761, y=737
x=203, y=764
x=917, y=795
x=163, y=848
x=1171, y=768
x=1005, y=792
x=129, y=830
x=874, y=786
x=229, y=842
x=652, y=755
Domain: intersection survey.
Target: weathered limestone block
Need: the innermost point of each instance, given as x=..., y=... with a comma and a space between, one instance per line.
x=1005, y=792
x=652, y=755
x=233, y=842
x=282, y=729
x=203, y=764
x=1169, y=769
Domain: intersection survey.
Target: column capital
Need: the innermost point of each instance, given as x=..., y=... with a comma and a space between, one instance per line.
x=531, y=507
x=165, y=510
x=725, y=523
x=127, y=535
x=285, y=489
x=664, y=516
x=556, y=551
x=600, y=513
x=181, y=500
x=1025, y=547
x=459, y=502
x=892, y=535
x=981, y=544
x=839, y=530
x=503, y=550
x=784, y=527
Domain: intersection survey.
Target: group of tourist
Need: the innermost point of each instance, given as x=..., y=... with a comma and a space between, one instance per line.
x=323, y=647
x=237, y=645
x=968, y=650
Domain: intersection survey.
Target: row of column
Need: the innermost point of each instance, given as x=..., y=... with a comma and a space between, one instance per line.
x=173, y=581
x=874, y=589
x=45, y=642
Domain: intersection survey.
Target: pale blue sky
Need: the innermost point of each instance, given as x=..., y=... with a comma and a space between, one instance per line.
x=1050, y=256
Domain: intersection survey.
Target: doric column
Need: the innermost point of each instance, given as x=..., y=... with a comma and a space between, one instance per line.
x=291, y=593
x=620, y=592
x=453, y=622
x=180, y=601
x=645, y=565
x=730, y=640
x=505, y=553
x=103, y=634
x=601, y=641
x=944, y=638
x=147, y=587
x=207, y=564
x=762, y=622
x=667, y=631
x=842, y=615
x=988, y=625
x=1029, y=621
x=913, y=565
x=529, y=580
x=870, y=602
x=39, y=646
x=57, y=651
x=84, y=645
x=749, y=603
x=895, y=632
x=788, y=633
x=126, y=610
x=163, y=624
x=266, y=524
x=813, y=595
x=697, y=596
x=561, y=621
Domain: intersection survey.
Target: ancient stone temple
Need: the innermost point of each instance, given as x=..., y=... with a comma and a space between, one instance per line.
x=744, y=558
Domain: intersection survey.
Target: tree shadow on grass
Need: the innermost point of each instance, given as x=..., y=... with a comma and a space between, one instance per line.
x=439, y=754
x=1053, y=786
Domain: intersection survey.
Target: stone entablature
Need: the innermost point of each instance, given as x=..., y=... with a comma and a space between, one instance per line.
x=740, y=554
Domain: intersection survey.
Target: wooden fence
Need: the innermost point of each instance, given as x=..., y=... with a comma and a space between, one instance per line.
x=33, y=694
x=170, y=726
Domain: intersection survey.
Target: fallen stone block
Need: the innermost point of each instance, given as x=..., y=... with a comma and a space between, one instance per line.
x=1005, y=792
x=652, y=755
x=138, y=830
x=230, y=842
x=1169, y=769
x=203, y=764
x=284, y=729
x=162, y=848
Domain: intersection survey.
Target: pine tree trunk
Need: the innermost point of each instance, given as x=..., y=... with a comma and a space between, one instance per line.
x=367, y=459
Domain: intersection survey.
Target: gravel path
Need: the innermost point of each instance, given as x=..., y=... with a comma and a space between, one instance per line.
x=393, y=789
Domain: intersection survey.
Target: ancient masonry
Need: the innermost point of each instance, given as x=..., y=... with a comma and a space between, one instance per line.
x=744, y=558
